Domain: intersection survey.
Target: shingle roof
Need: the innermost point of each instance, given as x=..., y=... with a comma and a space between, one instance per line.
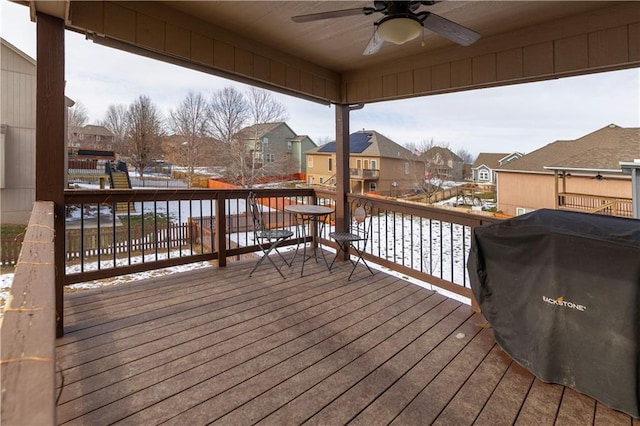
x=262, y=129
x=602, y=149
x=92, y=129
x=445, y=153
x=374, y=145
x=489, y=159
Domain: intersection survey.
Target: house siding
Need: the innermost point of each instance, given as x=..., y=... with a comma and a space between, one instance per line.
x=530, y=191
x=18, y=114
x=533, y=191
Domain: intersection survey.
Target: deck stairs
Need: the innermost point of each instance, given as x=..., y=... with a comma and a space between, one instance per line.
x=119, y=179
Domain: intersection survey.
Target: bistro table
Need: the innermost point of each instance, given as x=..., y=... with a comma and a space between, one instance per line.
x=313, y=217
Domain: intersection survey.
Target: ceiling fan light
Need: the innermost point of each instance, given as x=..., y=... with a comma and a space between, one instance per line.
x=399, y=30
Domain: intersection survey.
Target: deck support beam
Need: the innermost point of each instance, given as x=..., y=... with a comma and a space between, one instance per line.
x=50, y=138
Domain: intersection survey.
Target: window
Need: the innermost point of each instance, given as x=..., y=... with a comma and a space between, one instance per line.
x=81, y=136
x=520, y=210
x=310, y=180
x=406, y=168
x=310, y=161
x=483, y=175
x=330, y=164
x=289, y=145
x=358, y=164
x=270, y=158
x=97, y=138
x=321, y=180
x=372, y=186
x=374, y=165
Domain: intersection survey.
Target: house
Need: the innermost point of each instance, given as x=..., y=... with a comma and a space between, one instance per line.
x=91, y=138
x=444, y=164
x=582, y=174
x=18, y=134
x=276, y=149
x=377, y=164
x=483, y=169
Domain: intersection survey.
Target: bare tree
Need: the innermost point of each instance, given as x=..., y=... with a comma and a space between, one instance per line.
x=228, y=113
x=467, y=157
x=263, y=108
x=189, y=122
x=144, y=130
x=115, y=120
x=77, y=115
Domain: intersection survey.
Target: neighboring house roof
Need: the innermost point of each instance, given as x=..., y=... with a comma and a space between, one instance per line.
x=488, y=159
x=368, y=143
x=92, y=129
x=445, y=154
x=262, y=129
x=599, y=150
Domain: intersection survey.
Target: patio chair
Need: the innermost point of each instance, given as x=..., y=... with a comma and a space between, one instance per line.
x=357, y=236
x=267, y=239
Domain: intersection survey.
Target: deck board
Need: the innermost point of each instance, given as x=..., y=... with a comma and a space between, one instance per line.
x=214, y=346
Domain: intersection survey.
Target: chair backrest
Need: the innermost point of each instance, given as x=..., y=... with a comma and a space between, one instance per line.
x=256, y=212
x=361, y=218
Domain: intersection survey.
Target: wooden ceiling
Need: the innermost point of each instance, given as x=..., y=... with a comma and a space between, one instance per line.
x=257, y=42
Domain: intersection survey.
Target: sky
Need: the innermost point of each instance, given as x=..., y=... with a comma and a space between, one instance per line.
x=521, y=118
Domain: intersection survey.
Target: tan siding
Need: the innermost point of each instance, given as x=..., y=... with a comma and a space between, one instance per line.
x=634, y=42
x=510, y=64
x=608, y=47
x=150, y=32
x=608, y=187
x=571, y=53
x=462, y=73
x=158, y=27
x=538, y=59
x=525, y=190
x=536, y=191
x=484, y=69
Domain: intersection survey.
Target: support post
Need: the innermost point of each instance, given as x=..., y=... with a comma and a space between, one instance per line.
x=342, y=166
x=50, y=138
x=633, y=168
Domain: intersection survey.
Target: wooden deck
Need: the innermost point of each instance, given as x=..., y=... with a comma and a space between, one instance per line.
x=214, y=346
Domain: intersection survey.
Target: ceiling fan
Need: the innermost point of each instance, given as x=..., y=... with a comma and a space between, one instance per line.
x=402, y=22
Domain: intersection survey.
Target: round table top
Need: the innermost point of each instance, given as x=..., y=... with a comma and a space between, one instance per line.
x=310, y=209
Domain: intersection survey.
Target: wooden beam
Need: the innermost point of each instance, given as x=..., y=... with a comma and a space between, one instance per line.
x=50, y=137
x=342, y=165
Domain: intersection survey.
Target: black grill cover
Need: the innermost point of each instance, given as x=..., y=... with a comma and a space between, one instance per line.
x=561, y=291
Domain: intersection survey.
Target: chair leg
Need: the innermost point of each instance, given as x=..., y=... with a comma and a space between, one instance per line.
x=341, y=248
x=360, y=257
x=266, y=255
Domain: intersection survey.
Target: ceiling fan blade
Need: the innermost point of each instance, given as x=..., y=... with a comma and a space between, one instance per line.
x=449, y=29
x=374, y=45
x=328, y=15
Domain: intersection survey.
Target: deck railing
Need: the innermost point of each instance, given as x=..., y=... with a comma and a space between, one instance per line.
x=116, y=232
x=609, y=206
x=426, y=243
x=27, y=365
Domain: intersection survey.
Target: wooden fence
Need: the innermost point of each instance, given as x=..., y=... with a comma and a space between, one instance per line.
x=10, y=250
x=124, y=240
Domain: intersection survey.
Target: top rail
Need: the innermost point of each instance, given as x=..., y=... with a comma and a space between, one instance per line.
x=29, y=328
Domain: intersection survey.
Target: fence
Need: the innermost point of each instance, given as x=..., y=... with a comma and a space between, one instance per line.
x=10, y=250
x=87, y=243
